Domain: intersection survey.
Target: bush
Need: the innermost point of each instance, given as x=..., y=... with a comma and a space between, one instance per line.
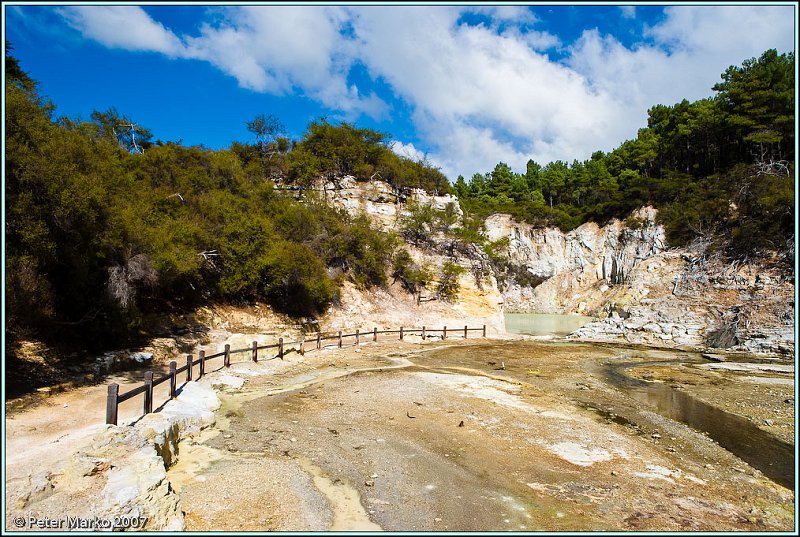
x=411, y=276
x=448, y=286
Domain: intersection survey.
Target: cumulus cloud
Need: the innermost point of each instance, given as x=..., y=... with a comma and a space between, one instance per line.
x=408, y=151
x=126, y=27
x=486, y=97
x=477, y=93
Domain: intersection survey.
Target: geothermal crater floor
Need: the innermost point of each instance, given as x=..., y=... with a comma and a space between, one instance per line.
x=524, y=436
x=475, y=435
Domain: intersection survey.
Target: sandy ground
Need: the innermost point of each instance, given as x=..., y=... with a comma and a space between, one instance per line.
x=482, y=436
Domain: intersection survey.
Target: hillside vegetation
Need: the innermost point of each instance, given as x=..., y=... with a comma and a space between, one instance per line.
x=105, y=226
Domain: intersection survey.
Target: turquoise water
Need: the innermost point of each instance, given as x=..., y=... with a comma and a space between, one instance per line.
x=544, y=324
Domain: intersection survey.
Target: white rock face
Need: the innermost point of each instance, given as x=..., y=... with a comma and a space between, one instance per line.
x=643, y=292
x=121, y=470
x=588, y=256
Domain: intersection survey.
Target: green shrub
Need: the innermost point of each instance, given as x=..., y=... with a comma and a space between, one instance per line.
x=448, y=286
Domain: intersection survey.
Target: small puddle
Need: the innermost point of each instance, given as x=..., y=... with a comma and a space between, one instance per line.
x=348, y=513
x=772, y=456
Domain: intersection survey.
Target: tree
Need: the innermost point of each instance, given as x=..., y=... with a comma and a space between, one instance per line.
x=270, y=138
x=758, y=101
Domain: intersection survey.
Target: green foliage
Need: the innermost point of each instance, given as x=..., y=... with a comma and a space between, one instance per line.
x=100, y=236
x=413, y=277
x=448, y=286
x=417, y=227
x=334, y=151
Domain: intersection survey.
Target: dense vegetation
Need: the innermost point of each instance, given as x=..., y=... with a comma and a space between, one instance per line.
x=720, y=170
x=105, y=226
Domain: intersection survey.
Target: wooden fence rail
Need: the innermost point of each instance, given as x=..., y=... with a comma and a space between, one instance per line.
x=114, y=398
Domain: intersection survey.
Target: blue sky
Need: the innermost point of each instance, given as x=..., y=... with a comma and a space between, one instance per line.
x=463, y=86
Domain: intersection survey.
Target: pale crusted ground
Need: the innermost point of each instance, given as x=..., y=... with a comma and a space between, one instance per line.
x=452, y=446
x=490, y=436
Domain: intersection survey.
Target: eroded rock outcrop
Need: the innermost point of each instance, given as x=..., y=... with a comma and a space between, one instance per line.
x=121, y=470
x=643, y=292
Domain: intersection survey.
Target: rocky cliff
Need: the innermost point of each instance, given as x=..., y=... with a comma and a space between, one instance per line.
x=643, y=292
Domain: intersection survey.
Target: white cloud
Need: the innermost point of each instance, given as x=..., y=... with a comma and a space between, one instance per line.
x=486, y=97
x=727, y=31
x=127, y=27
x=693, y=46
x=408, y=151
x=628, y=12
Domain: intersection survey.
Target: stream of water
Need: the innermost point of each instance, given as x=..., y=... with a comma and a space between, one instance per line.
x=772, y=456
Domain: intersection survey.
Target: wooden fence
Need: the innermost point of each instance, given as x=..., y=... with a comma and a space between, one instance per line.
x=283, y=348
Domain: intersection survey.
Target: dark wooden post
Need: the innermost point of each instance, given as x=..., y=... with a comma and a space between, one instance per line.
x=227, y=355
x=255, y=351
x=423, y=331
x=375, y=334
x=202, y=357
x=465, y=332
x=111, y=404
x=280, y=348
x=173, y=381
x=319, y=340
x=189, y=366
x=401, y=333
x=357, y=338
x=444, y=333
x=484, y=330
x=302, y=344
x=340, y=339
x=148, y=392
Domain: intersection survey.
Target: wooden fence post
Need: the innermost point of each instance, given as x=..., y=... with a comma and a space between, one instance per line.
x=255, y=351
x=340, y=339
x=202, y=357
x=111, y=404
x=280, y=348
x=401, y=333
x=423, y=332
x=357, y=338
x=173, y=366
x=319, y=340
x=444, y=333
x=148, y=392
x=227, y=355
x=484, y=330
x=375, y=334
x=465, y=332
x=302, y=345
x=189, y=365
